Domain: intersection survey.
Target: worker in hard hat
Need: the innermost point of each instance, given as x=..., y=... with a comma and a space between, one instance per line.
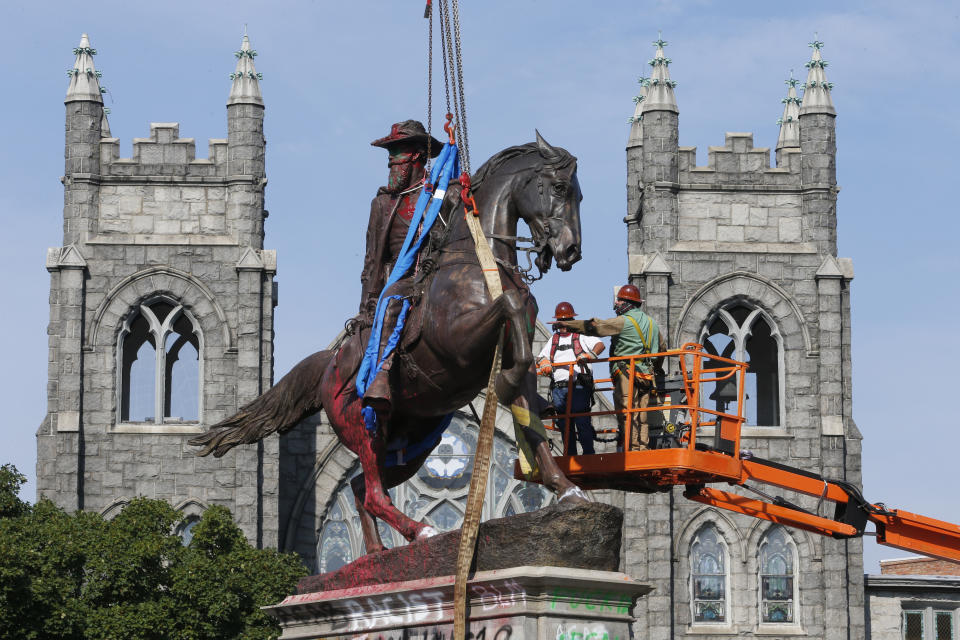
x=632, y=332
x=569, y=346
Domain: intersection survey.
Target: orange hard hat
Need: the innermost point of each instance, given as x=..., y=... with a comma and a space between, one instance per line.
x=631, y=293
x=564, y=310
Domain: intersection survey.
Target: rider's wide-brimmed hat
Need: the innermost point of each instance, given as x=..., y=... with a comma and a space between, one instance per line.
x=409, y=132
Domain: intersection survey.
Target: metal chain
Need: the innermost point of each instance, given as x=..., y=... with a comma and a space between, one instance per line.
x=456, y=87
x=453, y=106
x=429, y=89
x=465, y=156
x=443, y=50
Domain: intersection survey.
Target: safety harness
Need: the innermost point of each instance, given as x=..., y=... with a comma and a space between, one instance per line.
x=574, y=341
x=621, y=366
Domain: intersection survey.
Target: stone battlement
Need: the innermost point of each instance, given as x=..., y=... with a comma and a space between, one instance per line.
x=164, y=153
x=738, y=162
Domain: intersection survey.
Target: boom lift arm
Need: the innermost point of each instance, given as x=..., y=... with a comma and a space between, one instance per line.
x=894, y=527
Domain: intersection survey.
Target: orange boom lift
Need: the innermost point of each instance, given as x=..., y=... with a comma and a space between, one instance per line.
x=697, y=446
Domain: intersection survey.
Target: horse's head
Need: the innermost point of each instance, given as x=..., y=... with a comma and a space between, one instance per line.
x=551, y=207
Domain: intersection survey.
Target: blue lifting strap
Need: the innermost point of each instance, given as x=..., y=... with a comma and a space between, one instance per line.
x=426, y=211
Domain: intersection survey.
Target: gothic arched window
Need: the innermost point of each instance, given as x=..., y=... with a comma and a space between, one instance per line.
x=777, y=562
x=708, y=576
x=437, y=494
x=743, y=333
x=159, y=365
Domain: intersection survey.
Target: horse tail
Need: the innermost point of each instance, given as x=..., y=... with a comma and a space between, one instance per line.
x=295, y=397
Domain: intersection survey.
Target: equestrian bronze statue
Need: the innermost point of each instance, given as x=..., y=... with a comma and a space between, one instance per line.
x=446, y=350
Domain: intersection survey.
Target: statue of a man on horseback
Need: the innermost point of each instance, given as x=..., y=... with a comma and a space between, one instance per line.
x=452, y=327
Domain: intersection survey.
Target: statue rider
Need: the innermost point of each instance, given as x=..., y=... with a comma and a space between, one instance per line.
x=392, y=208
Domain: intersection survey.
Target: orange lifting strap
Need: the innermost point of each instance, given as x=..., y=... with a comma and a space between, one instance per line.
x=695, y=445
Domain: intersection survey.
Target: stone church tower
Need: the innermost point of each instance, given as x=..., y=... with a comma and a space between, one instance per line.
x=161, y=312
x=742, y=257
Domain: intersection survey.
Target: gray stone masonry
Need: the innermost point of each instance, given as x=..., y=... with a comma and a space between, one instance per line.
x=162, y=224
x=818, y=153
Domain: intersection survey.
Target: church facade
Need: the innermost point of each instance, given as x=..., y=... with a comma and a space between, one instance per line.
x=161, y=324
x=741, y=257
x=161, y=312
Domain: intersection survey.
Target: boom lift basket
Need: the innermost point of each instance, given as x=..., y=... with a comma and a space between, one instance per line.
x=690, y=443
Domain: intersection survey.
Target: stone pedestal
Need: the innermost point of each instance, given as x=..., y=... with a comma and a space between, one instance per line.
x=519, y=603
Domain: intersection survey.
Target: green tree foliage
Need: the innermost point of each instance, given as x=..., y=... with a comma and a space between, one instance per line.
x=10, y=482
x=78, y=576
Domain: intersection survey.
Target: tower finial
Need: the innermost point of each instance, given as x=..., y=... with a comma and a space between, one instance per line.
x=246, y=80
x=790, y=120
x=659, y=95
x=636, y=122
x=816, y=91
x=84, y=77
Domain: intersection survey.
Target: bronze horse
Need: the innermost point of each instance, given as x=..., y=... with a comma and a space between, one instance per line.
x=448, y=344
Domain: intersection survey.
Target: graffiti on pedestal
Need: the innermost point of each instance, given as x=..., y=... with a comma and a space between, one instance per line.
x=600, y=601
x=501, y=596
x=487, y=631
x=584, y=631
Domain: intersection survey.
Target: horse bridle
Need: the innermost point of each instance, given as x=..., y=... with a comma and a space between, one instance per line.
x=538, y=245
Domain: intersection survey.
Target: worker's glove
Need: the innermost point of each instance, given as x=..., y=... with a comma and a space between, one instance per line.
x=583, y=358
x=545, y=369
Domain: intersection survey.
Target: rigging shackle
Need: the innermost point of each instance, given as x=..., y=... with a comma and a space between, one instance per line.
x=449, y=127
x=469, y=204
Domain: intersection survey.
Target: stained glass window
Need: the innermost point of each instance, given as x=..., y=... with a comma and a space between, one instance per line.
x=186, y=530
x=436, y=494
x=777, y=577
x=708, y=576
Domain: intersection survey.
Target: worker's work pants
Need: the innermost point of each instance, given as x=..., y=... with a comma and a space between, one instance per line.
x=643, y=397
x=582, y=428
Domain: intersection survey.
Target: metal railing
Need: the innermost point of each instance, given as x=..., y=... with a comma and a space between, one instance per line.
x=691, y=369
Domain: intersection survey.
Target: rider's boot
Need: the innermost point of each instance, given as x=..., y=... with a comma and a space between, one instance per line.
x=379, y=394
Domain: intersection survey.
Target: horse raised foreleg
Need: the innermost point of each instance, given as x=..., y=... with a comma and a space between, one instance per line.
x=550, y=474
x=510, y=380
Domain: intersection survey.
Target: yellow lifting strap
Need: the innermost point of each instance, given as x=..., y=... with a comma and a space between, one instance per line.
x=481, y=460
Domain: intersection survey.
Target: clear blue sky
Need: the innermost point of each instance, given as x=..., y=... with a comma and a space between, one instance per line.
x=336, y=74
